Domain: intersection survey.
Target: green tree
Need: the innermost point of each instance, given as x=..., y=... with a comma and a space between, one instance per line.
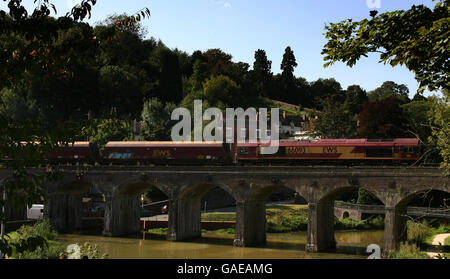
x=440, y=120
x=262, y=73
x=156, y=116
x=222, y=92
x=418, y=123
x=19, y=106
x=326, y=88
x=287, y=80
x=30, y=51
x=389, y=89
x=119, y=89
x=170, y=81
x=335, y=121
x=416, y=38
x=109, y=128
x=355, y=98
x=200, y=74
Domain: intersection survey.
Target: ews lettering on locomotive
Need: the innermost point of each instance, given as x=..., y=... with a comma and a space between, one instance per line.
x=295, y=150
x=161, y=153
x=330, y=150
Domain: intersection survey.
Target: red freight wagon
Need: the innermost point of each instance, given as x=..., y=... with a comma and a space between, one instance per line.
x=162, y=152
x=78, y=151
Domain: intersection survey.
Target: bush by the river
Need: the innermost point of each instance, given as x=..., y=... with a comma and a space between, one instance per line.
x=40, y=242
x=21, y=246
x=417, y=232
x=408, y=251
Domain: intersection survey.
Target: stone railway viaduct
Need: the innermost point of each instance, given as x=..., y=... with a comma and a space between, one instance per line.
x=250, y=187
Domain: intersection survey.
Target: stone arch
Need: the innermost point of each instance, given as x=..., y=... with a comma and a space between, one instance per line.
x=200, y=189
x=330, y=195
x=395, y=220
x=185, y=209
x=74, y=187
x=407, y=197
x=345, y=215
x=321, y=234
x=263, y=192
x=251, y=212
x=137, y=186
x=64, y=206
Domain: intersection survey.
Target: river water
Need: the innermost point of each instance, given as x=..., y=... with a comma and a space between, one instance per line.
x=350, y=245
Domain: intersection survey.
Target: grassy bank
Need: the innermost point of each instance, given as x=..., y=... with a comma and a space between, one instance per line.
x=419, y=234
x=431, y=232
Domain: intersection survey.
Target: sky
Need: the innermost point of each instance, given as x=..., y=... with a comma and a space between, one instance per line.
x=240, y=27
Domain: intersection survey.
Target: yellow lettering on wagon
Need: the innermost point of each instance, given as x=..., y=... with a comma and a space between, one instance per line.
x=161, y=153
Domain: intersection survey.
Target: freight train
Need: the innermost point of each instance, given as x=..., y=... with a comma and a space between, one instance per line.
x=345, y=151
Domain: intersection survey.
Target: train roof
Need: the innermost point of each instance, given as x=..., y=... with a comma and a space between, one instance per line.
x=344, y=142
x=160, y=144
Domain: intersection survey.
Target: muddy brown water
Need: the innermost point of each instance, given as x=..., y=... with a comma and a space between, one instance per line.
x=350, y=245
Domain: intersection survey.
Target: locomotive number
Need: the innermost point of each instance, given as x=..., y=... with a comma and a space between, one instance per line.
x=330, y=149
x=295, y=150
x=161, y=153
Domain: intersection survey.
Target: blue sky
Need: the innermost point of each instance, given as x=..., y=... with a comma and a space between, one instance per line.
x=240, y=27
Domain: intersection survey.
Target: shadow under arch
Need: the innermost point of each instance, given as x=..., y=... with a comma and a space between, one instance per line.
x=410, y=196
x=185, y=210
x=424, y=210
x=251, y=214
x=64, y=205
x=323, y=222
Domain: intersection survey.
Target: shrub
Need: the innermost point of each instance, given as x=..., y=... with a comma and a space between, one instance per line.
x=417, y=232
x=408, y=251
x=34, y=242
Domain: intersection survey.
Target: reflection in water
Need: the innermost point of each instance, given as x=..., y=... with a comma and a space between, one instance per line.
x=213, y=246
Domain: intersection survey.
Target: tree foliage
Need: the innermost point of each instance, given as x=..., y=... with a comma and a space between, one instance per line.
x=41, y=57
x=335, y=121
x=262, y=72
x=440, y=126
x=156, y=117
x=416, y=38
x=389, y=89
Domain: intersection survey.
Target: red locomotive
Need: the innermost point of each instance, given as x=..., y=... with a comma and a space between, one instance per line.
x=327, y=150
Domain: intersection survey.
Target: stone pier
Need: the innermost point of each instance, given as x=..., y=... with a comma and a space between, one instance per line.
x=320, y=227
x=64, y=211
x=122, y=215
x=394, y=226
x=184, y=219
x=250, y=223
